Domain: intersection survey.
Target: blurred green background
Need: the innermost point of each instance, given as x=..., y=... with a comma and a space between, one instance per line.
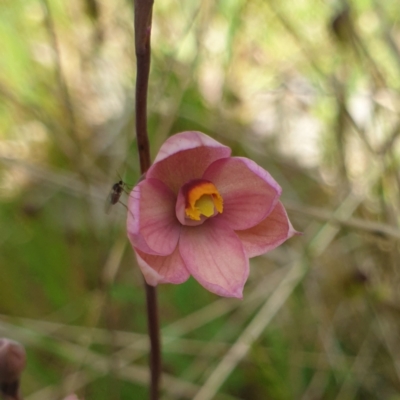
x=309, y=90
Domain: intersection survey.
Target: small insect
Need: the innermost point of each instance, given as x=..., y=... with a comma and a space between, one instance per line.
x=116, y=191
x=115, y=194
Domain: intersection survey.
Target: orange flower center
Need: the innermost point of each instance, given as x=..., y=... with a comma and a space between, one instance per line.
x=202, y=198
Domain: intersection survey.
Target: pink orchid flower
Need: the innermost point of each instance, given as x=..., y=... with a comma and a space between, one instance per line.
x=200, y=212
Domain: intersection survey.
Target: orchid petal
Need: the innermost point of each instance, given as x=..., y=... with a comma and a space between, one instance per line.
x=185, y=156
x=248, y=191
x=215, y=257
x=268, y=234
x=188, y=140
x=162, y=269
x=152, y=224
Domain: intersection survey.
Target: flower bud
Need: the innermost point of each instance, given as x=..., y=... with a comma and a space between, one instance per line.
x=71, y=397
x=12, y=361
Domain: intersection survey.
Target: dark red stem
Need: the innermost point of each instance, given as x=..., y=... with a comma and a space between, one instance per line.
x=143, y=13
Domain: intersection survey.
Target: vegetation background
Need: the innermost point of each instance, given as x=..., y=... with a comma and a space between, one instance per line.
x=308, y=89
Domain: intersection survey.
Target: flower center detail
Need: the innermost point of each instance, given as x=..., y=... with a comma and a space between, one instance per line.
x=202, y=198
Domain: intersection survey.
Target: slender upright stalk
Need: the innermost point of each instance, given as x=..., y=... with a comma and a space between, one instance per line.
x=143, y=13
x=155, y=347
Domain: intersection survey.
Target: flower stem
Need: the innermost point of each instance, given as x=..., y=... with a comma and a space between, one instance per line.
x=143, y=14
x=155, y=347
x=143, y=11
